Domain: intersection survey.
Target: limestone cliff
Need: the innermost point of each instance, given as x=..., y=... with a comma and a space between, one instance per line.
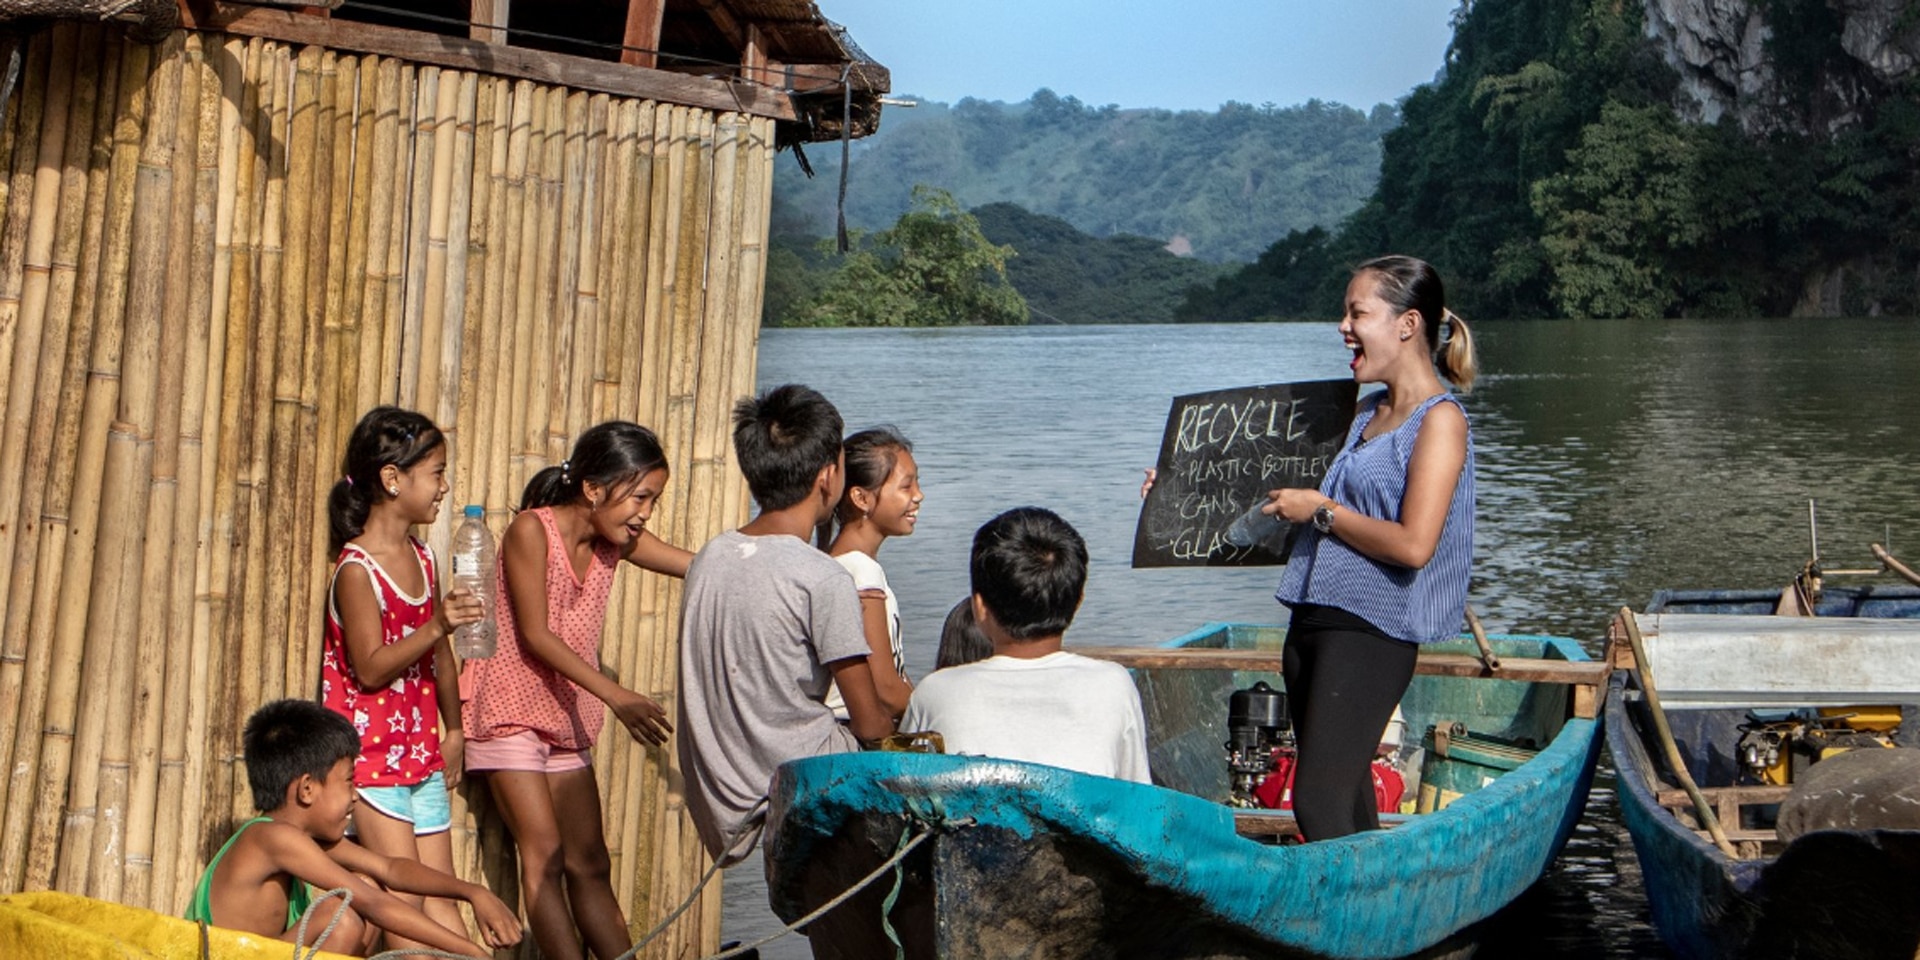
x=1729, y=66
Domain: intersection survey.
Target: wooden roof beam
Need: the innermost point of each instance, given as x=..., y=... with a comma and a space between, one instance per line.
x=642, y=37
x=487, y=20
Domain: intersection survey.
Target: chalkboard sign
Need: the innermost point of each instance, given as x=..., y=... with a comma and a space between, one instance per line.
x=1223, y=451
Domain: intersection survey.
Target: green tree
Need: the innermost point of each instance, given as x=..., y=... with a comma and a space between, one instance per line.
x=1622, y=211
x=932, y=268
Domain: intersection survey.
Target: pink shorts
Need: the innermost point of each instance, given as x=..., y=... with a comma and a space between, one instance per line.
x=524, y=751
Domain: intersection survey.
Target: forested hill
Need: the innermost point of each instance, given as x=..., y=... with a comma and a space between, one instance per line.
x=1221, y=185
x=1600, y=158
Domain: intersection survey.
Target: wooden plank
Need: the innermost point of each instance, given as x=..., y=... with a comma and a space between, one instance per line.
x=461, y=54
x=642, y=37
x=1281, y=824
x=1736, y=795
x=487, y=23
x=1525, y=670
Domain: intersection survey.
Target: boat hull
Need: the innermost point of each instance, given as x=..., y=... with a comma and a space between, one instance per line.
x=1026, y=860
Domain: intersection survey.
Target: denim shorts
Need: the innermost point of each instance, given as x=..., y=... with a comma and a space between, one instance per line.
x=423, y=804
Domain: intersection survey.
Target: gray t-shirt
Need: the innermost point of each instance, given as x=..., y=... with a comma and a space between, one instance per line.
x=763, y=617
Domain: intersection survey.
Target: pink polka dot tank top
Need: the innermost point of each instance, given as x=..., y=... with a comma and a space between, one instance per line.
x=513, y=691
x=399, y=724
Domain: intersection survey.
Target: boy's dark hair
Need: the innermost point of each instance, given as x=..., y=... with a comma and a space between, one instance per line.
x=961, y=639
x=287, y=738
x=611, y=454
x=782, y=438
x=1030, y=568
x=386, y=435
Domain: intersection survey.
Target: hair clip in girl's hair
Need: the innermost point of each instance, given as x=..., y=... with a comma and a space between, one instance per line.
x=566, y=471
x=349, y=479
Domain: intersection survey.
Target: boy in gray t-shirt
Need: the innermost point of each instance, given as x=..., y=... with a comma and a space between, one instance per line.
x=767, y=621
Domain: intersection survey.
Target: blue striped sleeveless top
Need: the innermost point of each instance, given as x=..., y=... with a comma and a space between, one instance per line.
x=1370, y=477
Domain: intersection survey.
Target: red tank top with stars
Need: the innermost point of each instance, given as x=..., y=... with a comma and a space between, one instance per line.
x=399, y=724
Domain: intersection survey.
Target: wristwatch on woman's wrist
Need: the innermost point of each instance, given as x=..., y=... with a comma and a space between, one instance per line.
x=1323, y=517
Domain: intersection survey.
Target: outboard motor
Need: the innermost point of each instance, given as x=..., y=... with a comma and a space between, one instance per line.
x=1257, y=723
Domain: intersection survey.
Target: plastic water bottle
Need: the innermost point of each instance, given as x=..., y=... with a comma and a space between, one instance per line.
x=473, y=571
x=1256, y=529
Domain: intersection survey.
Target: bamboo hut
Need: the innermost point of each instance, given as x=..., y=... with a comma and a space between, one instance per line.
x=226, y=236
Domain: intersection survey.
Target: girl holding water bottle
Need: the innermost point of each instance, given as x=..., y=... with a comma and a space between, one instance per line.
x=534, y=709
x=385, y=664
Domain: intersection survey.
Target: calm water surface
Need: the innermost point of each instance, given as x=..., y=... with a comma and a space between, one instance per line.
x=1614, y=458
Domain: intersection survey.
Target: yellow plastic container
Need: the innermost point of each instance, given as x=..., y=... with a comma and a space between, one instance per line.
x=69, y=927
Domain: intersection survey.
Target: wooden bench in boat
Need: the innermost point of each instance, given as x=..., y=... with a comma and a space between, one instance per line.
x=1726, y=802
x=1280, y=825
x=1587, y=678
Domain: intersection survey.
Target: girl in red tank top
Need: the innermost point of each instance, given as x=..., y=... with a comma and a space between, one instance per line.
x=537, y=705
x=386, y=663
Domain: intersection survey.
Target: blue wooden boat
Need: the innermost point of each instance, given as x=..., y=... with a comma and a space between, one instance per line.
x=1033, y=861
x=1844, y=894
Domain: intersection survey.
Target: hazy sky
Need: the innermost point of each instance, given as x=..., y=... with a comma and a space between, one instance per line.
x=1137, y=53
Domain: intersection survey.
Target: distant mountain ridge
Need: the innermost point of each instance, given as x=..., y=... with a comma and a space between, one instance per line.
x=1223, y=184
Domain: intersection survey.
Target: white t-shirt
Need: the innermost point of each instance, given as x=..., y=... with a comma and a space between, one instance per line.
x=763, y=617
x=1062, y=709
x=867, y=575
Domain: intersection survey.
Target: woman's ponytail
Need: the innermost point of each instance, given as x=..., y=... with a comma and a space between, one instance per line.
x=552, y=485
x=346, y=513
x=1457, y=361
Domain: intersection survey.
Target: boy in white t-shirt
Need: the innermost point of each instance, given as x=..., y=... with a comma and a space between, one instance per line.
x=1032, y=700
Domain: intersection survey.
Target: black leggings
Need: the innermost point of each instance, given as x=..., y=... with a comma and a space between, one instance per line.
x=1343, y=681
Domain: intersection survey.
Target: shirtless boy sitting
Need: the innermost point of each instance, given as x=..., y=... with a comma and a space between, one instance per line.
x=299, y=760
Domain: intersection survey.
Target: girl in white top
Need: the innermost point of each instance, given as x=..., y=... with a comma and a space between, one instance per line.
x=882, y=500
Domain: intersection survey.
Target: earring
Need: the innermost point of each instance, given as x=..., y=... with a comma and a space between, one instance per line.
x=393, y=491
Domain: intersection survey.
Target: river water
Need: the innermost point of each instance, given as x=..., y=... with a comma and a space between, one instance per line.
x=1614, y=458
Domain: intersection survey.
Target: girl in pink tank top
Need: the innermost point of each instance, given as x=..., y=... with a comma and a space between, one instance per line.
x=534, y=708
x=386, y=664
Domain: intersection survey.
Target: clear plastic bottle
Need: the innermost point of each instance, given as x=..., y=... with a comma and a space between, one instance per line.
x=472, y=567
x=1257, y=529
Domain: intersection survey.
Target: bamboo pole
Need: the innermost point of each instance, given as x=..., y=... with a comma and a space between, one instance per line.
x=183, y=724
x=287, y=626
x=97, y=552
x=54, y=203
x=412, y=275
x=22, y=202
x=574, y=194
x=544, y=437
x=460, y=334
x=367, y=247
x=391, y=318
x=236, y=253
x=523, y=148
x=496, y=371
x=49, y=565
x=473, y=412
x=276, y=378
x=1643, y=671
x=159, y=604
x=610, y=141
x=146, y=498
x=25, y=283
x=427, y=268
x=261, y=612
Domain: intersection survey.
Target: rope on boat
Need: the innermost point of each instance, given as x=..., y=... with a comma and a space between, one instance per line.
x=908, y=841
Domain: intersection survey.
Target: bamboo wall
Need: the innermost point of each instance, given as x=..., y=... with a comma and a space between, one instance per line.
x=217, y=253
